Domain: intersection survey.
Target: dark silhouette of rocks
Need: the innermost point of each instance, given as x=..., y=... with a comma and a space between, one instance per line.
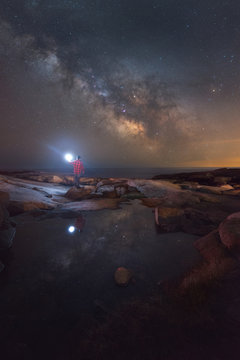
x=212, y=178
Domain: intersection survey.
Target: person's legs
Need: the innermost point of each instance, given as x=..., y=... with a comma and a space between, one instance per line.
x=76, y=180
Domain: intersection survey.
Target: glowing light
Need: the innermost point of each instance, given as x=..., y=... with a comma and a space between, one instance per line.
x=68, y=157
x=71, y=229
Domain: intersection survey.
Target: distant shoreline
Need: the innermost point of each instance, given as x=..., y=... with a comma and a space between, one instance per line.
x=137, y=172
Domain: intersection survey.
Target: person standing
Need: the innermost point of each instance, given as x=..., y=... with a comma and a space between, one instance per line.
x=78, y=169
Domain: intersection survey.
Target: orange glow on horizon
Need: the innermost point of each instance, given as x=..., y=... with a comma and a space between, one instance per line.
x=223, y=162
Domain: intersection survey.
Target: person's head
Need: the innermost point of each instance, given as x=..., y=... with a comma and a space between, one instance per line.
x=79, y=157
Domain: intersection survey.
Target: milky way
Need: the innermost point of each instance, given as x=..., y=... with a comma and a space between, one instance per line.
x=122, y=83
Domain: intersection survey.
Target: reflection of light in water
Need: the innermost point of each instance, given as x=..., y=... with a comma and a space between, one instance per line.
x=71, y=229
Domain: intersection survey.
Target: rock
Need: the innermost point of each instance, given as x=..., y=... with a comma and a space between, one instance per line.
x=229, y=231
x=1, y=266
x=7, y=227
x=121, y=190
x=211, y=248
x=215, y=177
x=19, y=207
x=6, y=238
x=4, y=197
x=112, y=181
x=22, y=196
x=200, y=222
x=107, y=191
x=79, y=193
x=122, y=276
x=209, y=189
x=88, y=181
x=221, y=180
x=226, y=187
x=189, y=220
x=134, y=195
x=210, y=198
x=91, y=204
x=169, y=219
x=165, y=212
x=234, y=192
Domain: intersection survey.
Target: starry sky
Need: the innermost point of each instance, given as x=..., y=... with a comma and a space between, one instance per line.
x=153, y=83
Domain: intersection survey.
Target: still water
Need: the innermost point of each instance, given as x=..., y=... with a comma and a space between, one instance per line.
x=60, y=268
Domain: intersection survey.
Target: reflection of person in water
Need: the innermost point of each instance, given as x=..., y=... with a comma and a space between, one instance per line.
x=79, y=223
x=156, y=216
x=157, y=224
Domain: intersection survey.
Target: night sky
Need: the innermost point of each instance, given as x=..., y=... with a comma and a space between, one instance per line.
x=120, y=82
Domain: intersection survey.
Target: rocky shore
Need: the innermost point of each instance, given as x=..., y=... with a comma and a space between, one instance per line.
x=206, y=204
x=201, y=203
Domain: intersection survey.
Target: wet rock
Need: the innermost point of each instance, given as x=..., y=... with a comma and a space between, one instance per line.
x=122, y=276
x=211, y=247
x=79, y=193
x=229, y=231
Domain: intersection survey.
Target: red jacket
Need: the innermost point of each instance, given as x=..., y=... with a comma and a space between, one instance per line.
x=77, y=167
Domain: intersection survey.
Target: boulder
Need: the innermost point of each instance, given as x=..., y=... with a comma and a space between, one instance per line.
x=79, y=193
x=88, y=181
x=229, y=231
x=122, y=276
x=189, y=220
x=200, y=222
x=107, y=191
x=121, y=190
x=211, y=248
